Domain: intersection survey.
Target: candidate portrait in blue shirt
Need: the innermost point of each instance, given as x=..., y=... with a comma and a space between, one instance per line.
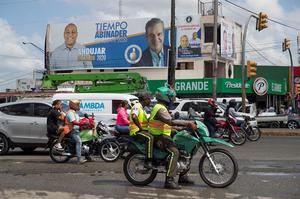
x=67, y=55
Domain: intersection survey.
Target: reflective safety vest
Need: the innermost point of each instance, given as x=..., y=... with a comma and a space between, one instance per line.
x=142, y=118
x=157, y=127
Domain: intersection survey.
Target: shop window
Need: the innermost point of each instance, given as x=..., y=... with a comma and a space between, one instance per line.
x=185, y=66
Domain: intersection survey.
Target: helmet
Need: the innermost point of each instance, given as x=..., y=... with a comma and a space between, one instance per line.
x=165, y=94
x=74, y=104
x=144, y=96
x=232, y=103
x=211, y=102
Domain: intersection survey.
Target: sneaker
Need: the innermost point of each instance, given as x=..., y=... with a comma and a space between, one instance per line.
x=90, y=159
x=81, y=161
x=185, y=180
x=171, y=184
x=58, y=147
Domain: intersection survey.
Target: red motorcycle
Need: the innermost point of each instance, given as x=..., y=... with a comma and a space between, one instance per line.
x=229, y=129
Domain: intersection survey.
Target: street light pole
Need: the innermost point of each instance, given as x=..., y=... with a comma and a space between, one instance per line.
x=292, y=80
x=243, y=65
x=40, y=49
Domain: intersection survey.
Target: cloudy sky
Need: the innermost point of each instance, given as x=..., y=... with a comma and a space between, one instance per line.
x=26, y=20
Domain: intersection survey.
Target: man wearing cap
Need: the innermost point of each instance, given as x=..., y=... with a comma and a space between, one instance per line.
x=139, y=126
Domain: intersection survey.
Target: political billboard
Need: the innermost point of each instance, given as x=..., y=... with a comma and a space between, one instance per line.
x=227, y=39
x=124, y=43
x=188, y=37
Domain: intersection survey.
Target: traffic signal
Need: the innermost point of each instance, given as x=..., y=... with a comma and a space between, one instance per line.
x=251, y=68
x=297, y=88
x=286, y=44
x=261, y=21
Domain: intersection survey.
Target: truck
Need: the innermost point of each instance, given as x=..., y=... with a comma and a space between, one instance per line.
x=267, y=119
x=116, y=82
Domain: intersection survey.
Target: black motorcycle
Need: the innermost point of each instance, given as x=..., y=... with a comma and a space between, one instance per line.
x=94, y=144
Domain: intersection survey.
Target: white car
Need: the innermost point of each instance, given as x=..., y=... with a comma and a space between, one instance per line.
x=199, y=105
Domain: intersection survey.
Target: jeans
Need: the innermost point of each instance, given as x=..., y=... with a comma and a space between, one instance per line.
x=124, y=130
x=74, y=134
x=211, y=128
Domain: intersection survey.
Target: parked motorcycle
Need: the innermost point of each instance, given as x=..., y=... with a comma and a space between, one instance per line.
x=217, y=167
x=229, y=129
x=94, y=143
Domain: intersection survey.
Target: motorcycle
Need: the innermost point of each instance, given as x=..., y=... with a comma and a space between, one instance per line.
x=253, y=133
x=217, y=167
x=228, y=129
x=94, y=143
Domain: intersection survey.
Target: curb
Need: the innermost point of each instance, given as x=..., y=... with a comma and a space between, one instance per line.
x=280, y=132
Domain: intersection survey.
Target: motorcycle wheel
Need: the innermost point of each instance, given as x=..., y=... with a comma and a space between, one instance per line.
x=254, y=134
x=57, y=156
x=238, y=138
x=225, y=164
x=135, y=172
x=110, y=151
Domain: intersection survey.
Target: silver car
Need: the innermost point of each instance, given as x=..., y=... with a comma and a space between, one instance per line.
x=23, y=124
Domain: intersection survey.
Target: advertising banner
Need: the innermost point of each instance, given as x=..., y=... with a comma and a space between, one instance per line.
x=124, y=43
x=188, y=37
x=184, y=86
x=227, y=39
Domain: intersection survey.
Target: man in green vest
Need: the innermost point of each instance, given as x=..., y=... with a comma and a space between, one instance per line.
x=160, y=126
x=139, y=126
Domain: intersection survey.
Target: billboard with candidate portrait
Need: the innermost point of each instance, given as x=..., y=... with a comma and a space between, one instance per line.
x=227, y=39
x=188, y=37
x=124, y=43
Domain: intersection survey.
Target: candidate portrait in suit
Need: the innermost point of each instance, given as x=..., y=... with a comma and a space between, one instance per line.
x=156, y=55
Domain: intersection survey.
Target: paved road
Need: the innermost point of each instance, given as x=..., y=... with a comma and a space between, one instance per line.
x=269, y=168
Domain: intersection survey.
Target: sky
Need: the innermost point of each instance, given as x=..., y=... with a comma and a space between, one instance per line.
x=26, y=21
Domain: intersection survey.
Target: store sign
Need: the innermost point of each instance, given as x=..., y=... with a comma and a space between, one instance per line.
x=185, y=86
x=198, y=86
x=260, y=86
x=230, y=84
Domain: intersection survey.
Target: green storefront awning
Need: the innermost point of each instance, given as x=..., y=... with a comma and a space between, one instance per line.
x=234, y=86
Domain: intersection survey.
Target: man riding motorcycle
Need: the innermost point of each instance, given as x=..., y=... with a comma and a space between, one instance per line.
x=139, y=126
x=160, y=126
x=210, y=117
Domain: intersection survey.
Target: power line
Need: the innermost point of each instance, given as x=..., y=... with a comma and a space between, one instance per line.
x=18, y=57
x=260, y=53
x=275, y=21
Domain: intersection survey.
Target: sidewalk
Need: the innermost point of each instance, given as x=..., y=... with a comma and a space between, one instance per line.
x=280, y=132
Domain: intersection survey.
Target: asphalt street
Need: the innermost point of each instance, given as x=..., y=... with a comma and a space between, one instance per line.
x=268, y=168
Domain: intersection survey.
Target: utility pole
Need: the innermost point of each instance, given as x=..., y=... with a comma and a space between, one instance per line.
x=215, y=50
x=172, y=58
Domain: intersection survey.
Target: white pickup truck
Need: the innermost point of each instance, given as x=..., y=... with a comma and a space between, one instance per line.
x=272, y=120
x=267, y=119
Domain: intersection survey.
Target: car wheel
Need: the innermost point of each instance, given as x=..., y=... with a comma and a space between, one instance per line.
x=275, y=125
x=4, y=144
x=28, y=149
x=292, y=124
